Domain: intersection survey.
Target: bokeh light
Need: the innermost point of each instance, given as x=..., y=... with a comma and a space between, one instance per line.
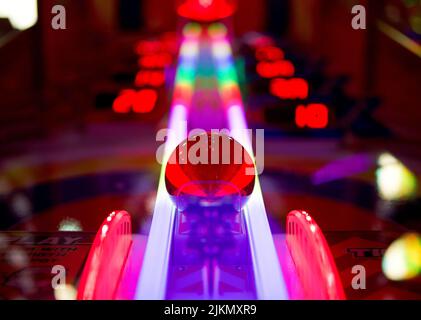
x=394, y=180
x=402, y=260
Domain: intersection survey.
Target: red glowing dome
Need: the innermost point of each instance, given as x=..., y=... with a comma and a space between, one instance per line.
x=210, y=165
x=206, y=10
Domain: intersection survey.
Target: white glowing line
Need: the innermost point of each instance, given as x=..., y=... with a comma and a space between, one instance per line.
x=270, y=284
x=153, y=278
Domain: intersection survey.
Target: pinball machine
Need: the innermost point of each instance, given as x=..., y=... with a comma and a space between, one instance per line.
x=225, y=173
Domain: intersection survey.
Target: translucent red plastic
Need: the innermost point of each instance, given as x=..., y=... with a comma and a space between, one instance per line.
x=107, y=258
x=313, y=259
x=219, y=168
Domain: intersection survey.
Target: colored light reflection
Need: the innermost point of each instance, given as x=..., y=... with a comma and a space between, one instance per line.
x=314, y=116
x=270, y=283
x=402, y=260
x=281, y=68
x=226, y=73
x=187, y=64
x=153, y=278
x=394, y=180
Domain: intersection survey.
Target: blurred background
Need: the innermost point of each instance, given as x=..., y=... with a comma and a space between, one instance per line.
x=37, y=62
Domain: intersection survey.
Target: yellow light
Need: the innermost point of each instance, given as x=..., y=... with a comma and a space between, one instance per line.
x=192, y=30
x=22, y=14
x=65, y=292
x=70, y=225
x=394, y=180
x=217, y=30
x=402, y=260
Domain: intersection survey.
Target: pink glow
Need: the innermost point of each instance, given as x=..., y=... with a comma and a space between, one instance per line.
x=107, y=258
x=313, y=259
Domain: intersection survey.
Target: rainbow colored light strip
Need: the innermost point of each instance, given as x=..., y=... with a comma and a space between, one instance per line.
x=270, y=283
x=153, y=278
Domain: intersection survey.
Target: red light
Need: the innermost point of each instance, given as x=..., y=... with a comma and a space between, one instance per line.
x=123, y=103
x=295, y=88
x=159, y=60
x=206, y=10
x=281, y=68
x=169, y=42
x=142, y=101
x=269, y=53
x=154, y=78
x=221, y=169
x=145, y=101
x=107, y=258
x=313, y=259
x=148, y=47
x=315, y=116
x=259, y=41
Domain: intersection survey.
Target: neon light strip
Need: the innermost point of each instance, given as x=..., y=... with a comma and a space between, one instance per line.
x=153, y=278
x=270, y=283
x=399, y=37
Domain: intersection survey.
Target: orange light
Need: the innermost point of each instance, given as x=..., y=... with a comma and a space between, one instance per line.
x=295, y=88
x=283, y=68
x=315, y=116
x=269, y=53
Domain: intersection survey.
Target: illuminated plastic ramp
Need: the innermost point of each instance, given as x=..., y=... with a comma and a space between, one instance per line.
x=314, y=263
x=107, y=258
x=267, y=275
